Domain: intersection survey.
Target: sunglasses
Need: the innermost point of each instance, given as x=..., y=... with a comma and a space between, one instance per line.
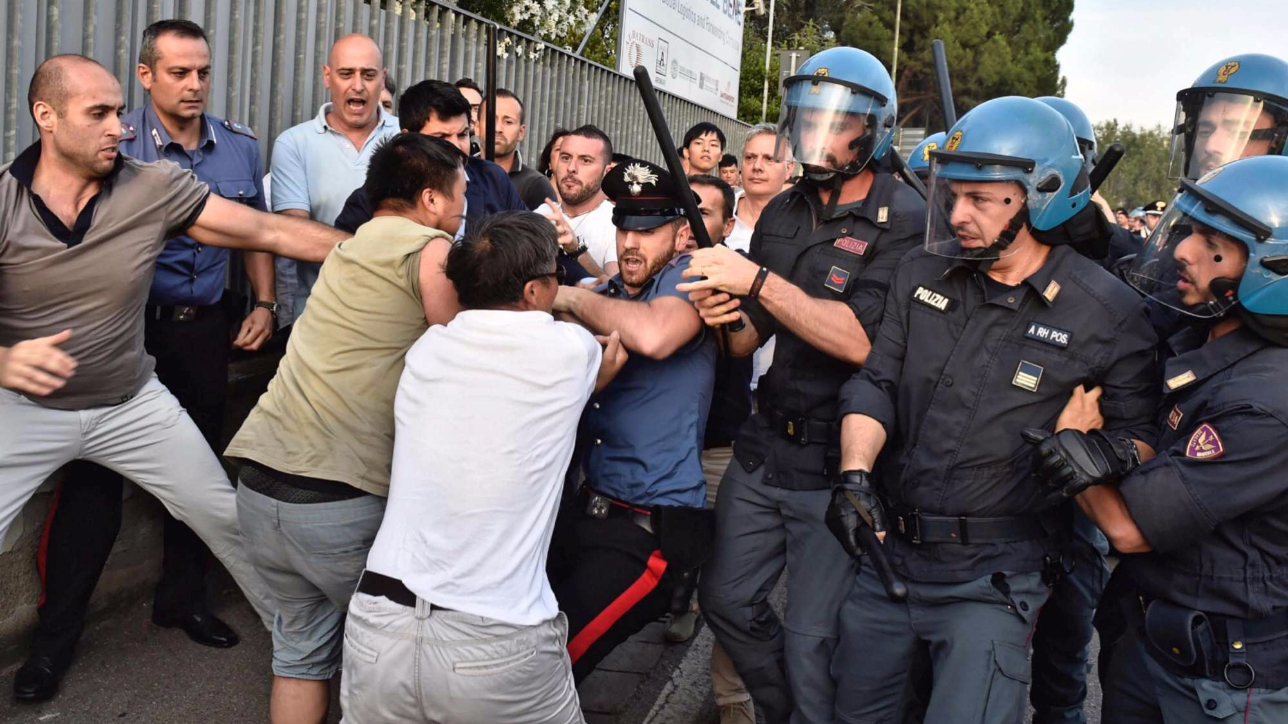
x=560, y=274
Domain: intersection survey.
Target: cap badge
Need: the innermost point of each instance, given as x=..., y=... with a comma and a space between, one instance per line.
x=953, y=142
x=1224, y=72
x=925, y=152
x=637, y=176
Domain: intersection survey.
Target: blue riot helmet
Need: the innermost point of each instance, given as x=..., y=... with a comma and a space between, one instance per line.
x=1223, y=245
x=1009, y=163
x=1236, y=109
x=919, y=161
x=1082, y=129
x=838, y=112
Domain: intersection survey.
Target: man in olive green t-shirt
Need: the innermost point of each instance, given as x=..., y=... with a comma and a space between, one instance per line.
x=81, y=227
x=319, y=444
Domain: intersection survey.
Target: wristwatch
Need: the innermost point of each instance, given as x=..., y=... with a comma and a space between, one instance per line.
x=581, y=249
x=270, y=306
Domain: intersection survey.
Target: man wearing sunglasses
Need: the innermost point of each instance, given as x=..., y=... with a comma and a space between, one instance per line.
x=628, y=544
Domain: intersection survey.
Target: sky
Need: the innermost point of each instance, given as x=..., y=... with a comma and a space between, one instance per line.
x=1126, y=59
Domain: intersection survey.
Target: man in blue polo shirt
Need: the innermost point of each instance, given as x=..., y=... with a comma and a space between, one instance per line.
x=631, y=539
x=318, y=163
x=187, y=331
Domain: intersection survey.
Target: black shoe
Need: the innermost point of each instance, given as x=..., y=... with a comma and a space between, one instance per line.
x=37, y=680
x=204, y=628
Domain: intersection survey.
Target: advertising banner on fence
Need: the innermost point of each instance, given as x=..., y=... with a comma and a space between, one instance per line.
x=692, y=48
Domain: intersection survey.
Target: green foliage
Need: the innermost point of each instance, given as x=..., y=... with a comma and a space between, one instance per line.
x=808, y=35
x=997, y=48
x=1141, y=176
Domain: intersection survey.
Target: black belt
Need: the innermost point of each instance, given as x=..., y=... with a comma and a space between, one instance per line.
x=177, y=312
x=376, y=584
x=918, y=527
x=265, y=482
x=800, y=430
x=603, y=506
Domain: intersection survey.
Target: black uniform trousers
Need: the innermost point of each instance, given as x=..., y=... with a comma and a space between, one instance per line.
x=609, y=579
x=192, y=361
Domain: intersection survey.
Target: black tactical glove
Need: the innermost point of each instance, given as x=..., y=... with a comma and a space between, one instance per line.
x=854, y=503
x=1071, y=461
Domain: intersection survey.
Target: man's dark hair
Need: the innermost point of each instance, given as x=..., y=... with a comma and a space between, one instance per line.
x=726, y=193
x=543, y=165
x=430, y=97
x=503, y=93
x=728, y=160
x=391, y=86
x=592, y=131
x=49, y=82
x=500, y=254
x=701, y=129
x=407, y=164
x=1120, y=210
x=183, y=28
x=468, y=82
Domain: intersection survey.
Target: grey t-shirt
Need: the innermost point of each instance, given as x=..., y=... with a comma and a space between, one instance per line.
x=96, y=286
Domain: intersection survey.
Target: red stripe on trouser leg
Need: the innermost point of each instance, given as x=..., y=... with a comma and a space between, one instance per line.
x=42, y=553
x=636, y=592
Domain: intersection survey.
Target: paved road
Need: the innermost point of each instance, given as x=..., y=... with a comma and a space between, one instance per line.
x=129, y=670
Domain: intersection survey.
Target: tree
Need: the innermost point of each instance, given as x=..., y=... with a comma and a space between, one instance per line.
x=558, y=22
x=998, y=48
x=809, y=35
x=1141, y=176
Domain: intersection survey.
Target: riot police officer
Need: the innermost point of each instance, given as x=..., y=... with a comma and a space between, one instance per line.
x=919, y=161
x=988, y=328
x=1202, y=524
x=1235, y=109
x=820, y=261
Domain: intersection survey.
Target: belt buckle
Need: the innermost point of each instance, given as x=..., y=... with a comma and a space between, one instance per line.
x=184, y=313
x=909, y=528
x=597, y=506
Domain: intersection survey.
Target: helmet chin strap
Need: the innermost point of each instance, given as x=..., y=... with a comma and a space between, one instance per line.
x=1000, y=244
x=1225, y=290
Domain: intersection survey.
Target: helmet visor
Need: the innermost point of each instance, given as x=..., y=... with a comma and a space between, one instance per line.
x=831, y=126
x=972, y=218
x=1213, y=129
x=1182, y=259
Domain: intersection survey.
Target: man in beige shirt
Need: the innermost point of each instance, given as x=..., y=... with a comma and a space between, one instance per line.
x=81, y=227
x=319, y=445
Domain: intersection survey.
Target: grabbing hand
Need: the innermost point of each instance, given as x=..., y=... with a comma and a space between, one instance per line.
x=613, y=360
x=725, y=270
x=715, y=308
x=256, y=329
x=1082, y=411
x=563, y=228
x=1071, y=461
x=37, y=366
x=854, y=503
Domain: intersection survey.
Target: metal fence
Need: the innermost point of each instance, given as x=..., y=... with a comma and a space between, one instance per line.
x=268, y=57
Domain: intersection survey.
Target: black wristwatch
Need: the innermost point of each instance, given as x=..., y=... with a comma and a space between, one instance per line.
x=581, y=249
x=270, y=306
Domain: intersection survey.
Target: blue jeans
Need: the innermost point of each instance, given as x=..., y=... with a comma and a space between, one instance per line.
x=310, y=556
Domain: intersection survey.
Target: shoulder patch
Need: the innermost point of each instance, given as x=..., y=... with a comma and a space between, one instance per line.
x=240, y=128
x=933, y=299
x=1205, y=444
x=128, y=133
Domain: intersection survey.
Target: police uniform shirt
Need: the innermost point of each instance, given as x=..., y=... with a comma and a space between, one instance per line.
x=958, y=373
x=642, y=435
x=227, y=159
x=849, y=259
x=1213, y=504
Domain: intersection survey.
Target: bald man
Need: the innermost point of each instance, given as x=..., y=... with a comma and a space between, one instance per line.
x=317, y=164
x=81, y=227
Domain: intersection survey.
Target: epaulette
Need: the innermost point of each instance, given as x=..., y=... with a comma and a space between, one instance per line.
x=236, y=127
x=127, y=132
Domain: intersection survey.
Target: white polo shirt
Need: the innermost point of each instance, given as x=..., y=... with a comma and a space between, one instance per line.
x=486, y=415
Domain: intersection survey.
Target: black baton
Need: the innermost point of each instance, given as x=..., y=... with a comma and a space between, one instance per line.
x=909, y=177
x=896, y=590
x=1105, y=165
x=672, y=157
x=945, y=86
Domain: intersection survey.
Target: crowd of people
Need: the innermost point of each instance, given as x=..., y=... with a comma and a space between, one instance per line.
x=523, y=412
